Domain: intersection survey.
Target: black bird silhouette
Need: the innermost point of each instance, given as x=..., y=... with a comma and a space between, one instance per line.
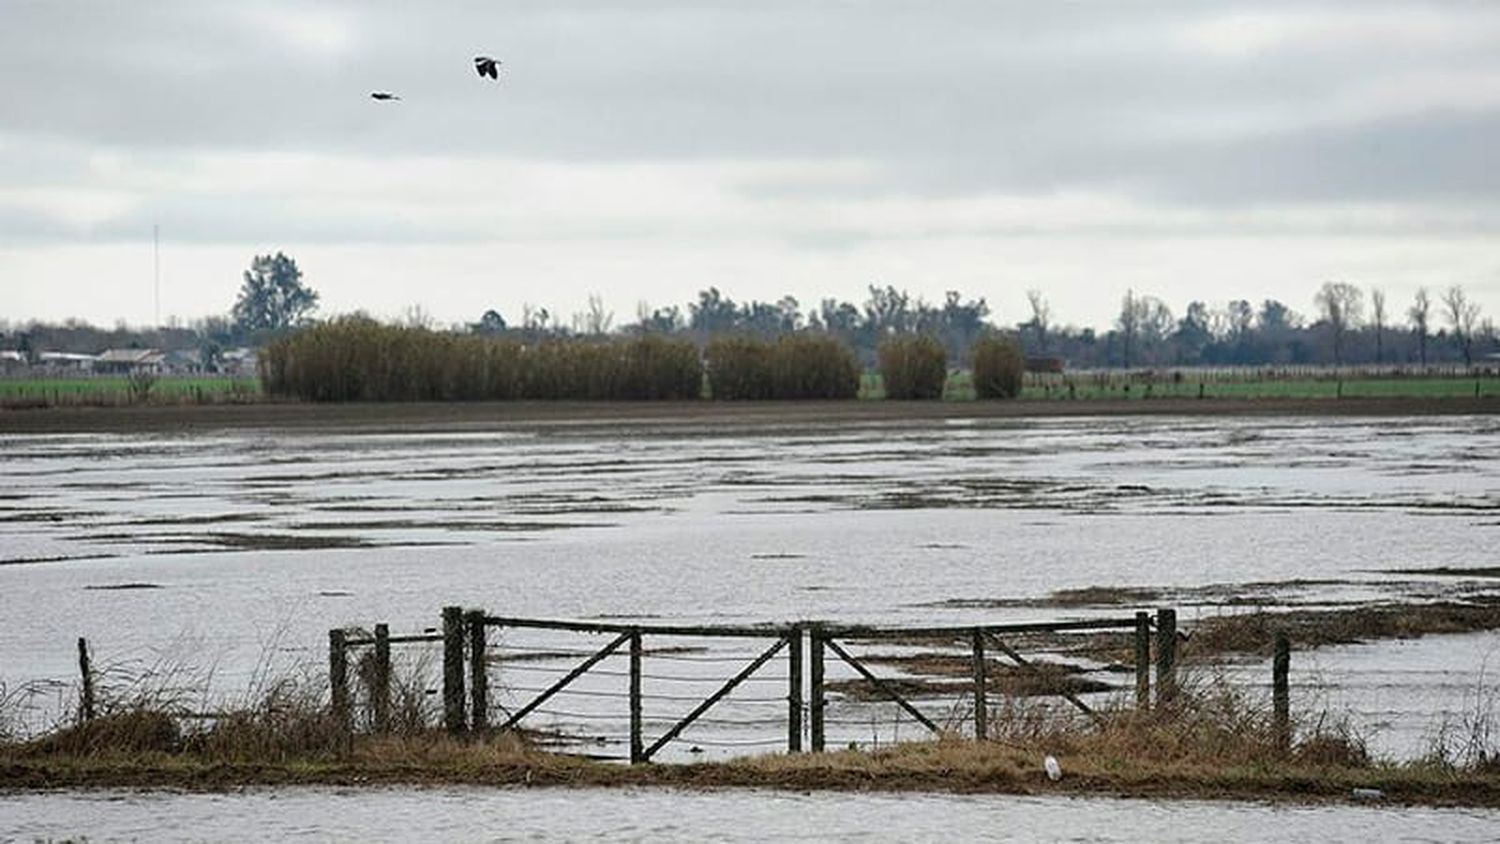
x=487, y=66
x=384, y=95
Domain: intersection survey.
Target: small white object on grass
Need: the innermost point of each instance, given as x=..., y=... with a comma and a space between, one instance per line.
x=1367, y=794
x=1054, y=770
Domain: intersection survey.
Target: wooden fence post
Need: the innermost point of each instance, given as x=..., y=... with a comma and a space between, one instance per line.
x=453, y=669
x=338, y=678
x=1281, y=663
x=637, y=744
x=86, y=710
x=1166, y=656
x=380, y=693
x=479, y=683
x=815, y=700
x=981, y=680
x=1143, y=661
x=794, y=691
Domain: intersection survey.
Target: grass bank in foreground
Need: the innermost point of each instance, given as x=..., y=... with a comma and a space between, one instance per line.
x=940, y=766
x=1212, y=742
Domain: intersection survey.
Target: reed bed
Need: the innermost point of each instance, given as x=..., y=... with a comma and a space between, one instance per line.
x=913, y=367
x=356, y=359
x=799, y=366
x=999, y=368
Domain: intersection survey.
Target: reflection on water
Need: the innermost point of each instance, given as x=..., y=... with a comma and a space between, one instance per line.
x=471, y=814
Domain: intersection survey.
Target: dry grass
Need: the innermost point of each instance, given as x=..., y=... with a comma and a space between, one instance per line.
x=1215, y=740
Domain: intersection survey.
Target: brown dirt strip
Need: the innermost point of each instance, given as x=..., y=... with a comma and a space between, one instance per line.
x=987, y=771
x=465, y=416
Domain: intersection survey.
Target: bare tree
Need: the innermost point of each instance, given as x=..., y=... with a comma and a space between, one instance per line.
x=1129, y=323
x=1155, y=324
x=1041, y=318
x=416, y=316
x=1419, y=314
x=1462, y=315
x=598, y=319
x=1377, y=312
x=1342, y=305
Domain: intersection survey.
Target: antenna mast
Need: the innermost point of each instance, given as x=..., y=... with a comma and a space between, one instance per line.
x=156, y=269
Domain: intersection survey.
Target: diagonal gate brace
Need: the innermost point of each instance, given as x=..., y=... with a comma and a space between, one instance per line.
x=714, y=698
x=1022, y=662
x=882, y=686
x=568, y=678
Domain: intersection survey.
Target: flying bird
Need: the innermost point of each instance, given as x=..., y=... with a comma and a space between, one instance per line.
x=487, y=66
x=383, y=95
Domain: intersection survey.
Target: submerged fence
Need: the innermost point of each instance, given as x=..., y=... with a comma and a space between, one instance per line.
x=766, y=686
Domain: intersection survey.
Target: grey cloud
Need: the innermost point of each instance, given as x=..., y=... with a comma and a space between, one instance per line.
x=966, y=97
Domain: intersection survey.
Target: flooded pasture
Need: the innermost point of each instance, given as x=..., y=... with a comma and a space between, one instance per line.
x=232, y=553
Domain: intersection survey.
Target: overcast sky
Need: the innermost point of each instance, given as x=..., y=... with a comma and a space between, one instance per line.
x=645, y=150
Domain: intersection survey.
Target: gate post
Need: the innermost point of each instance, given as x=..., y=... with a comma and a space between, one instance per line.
x=1166, y=656
x=981, y=697
x=86, y=704
x=637, y=745
x=816, y=702
x=1142, y=661
x=794, y=691
x=380, y=692
x=338, y=678
x=453, y=669
x=1281, y=692
x=479, y=681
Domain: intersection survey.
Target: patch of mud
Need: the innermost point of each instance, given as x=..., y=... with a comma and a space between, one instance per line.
x=63, y=558
x=209, y=519
x=1256, y=594
x=1254, y=632
x=460, y=525
x=1040, y=679
x=1454, y=571
x=29, y=516
x=230, y=541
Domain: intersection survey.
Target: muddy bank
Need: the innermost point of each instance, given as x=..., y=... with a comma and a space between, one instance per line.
x=459, y=416
x=938, y=767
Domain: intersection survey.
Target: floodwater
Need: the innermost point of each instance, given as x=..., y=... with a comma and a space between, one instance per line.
x=232, y=553
x=469, y=814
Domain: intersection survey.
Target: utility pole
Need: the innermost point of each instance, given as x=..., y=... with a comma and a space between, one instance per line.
x=156, y=271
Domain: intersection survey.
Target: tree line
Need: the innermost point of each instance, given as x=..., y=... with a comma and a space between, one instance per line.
x=1441, y=328
x=1348, y=325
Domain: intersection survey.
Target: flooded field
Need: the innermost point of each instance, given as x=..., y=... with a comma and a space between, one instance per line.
x=464, y=814
x=234, y=552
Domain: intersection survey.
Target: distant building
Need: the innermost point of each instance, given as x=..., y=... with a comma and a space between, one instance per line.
x=241, y=362
x=67, y=361
x=130, y=361
x=182, y=362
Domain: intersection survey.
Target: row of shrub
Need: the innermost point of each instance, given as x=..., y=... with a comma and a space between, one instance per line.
x=796, y=366
x=916, y=367
x=359, y=359
x=355, y=359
